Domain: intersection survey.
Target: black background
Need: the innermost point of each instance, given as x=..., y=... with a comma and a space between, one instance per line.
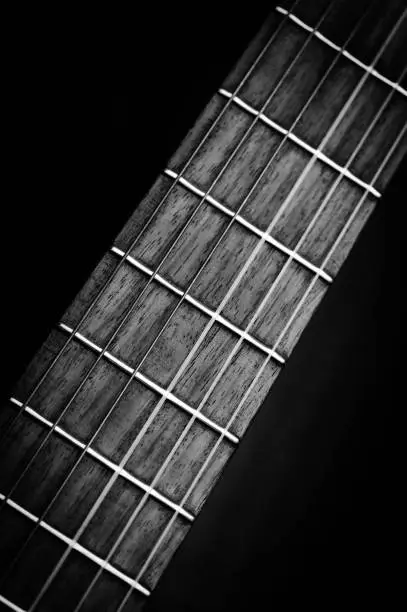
x=304, y=507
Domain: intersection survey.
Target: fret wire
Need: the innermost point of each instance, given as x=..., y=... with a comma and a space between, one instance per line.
x=266, y=297
x=10, y=604
x=242, y=221
x=110, y=464
x=237, y=330
x=219, y=318
x=164, y=392
x=261, y=369
x=352, y=58
x=76, y=546
x=150, y=220
x=319, y=154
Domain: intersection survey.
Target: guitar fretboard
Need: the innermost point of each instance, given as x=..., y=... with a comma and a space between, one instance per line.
x=126, y=417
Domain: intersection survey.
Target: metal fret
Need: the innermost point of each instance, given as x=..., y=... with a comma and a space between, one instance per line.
x=344, y=52
x=152, y=385
x=211, y=313
x=10, y=604
x=317, y=152
x=75, y=545
x=110, y=464
x=242, y=221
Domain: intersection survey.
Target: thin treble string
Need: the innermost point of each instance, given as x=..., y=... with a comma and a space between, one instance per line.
x=284, y=330
x=254, y=382
x=138, y=299
x=5, y=432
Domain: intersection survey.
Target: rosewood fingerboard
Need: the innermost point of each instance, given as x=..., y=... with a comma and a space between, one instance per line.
x=126, y=416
